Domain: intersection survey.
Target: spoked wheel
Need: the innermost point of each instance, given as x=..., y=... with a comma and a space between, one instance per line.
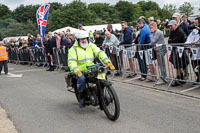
x=110, y=103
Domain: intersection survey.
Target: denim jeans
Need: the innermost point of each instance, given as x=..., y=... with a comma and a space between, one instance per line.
x=160, y=51
x=81, y=83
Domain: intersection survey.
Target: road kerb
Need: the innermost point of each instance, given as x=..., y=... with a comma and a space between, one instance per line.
x=6, y=125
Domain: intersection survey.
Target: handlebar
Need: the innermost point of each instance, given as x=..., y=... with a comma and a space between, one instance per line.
x=94, y=69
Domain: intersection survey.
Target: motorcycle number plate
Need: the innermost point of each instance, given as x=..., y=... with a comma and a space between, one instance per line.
x=101, y=76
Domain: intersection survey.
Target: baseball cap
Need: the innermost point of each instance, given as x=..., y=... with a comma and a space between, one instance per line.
x=172, y=22
x=175, y=15
x=80, y=25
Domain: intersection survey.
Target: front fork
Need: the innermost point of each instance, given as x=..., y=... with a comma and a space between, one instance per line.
x=100, y=85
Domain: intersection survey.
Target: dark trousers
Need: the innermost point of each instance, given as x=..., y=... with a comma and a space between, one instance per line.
x=143, y=66
x=4, y=64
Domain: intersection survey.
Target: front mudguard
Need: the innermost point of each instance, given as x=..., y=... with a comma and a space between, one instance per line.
x=105, y=83
x=101, y=84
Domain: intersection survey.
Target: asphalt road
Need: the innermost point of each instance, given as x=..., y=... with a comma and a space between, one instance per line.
x=38, y=102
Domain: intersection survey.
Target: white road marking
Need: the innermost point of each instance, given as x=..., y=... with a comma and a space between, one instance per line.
x=31, y=70
x=10, y=68
x=10, y=75
x=190, y=89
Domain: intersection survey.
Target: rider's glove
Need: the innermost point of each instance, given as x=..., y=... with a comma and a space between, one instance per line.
x=79, y=73
x=110, y=65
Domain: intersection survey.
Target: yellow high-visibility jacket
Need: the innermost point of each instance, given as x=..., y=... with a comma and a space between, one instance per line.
x=3, y=53
x=91, y=34
x=79, y=58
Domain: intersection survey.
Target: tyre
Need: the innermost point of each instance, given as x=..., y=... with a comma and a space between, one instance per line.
x=110, y=103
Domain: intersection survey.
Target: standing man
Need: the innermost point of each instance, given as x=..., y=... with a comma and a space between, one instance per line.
x=184, y=26
x=111, y=40
x=159, y=25
x=144, y=39
x=110, y=29
x=151, y=19
x=180, y=63
x=98, y=39
x=127, y=38
x=51, y=43
x=3, y=58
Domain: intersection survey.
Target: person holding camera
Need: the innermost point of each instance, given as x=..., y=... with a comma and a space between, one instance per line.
x=194, y=38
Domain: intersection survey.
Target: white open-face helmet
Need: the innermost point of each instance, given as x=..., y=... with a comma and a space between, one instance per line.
x=82, y=34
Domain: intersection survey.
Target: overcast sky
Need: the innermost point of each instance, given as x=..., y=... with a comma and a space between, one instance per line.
x=12, y=4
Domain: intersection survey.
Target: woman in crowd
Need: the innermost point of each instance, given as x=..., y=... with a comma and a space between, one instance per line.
x=157, y=37
x=69, y=43
x=194, y=38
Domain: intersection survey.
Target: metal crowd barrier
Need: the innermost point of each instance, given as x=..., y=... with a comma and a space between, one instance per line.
x=27, y=56
x=167, y=60
x=38, y=57
x=60, y=57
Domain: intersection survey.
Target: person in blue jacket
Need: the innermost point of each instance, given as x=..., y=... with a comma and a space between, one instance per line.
x=126, y=40
x=144, y=39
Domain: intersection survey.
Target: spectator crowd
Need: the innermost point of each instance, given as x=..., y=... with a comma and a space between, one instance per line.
x=147, y=40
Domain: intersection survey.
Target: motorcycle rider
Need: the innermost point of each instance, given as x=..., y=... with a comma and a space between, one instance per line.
x=81, y=55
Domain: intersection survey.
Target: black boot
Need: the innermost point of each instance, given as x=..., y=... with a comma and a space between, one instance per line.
x=51, y=68
x=81, y=99
x=175, y=82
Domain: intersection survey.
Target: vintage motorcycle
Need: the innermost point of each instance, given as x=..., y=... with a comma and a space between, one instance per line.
x=99, y=91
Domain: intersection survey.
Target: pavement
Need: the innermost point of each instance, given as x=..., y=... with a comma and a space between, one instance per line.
x=6, y=125
x=37, y=101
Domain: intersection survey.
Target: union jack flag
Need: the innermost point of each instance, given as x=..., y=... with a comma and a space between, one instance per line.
x=42, y=16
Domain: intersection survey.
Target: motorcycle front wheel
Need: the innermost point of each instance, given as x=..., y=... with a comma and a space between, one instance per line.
x=110, y=103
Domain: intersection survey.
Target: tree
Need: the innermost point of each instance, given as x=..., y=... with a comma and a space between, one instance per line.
x=151, y=13
x=4, y=11
x=104, y=13
x=25, y=13
x=70, y=15
x=76, y=12
x=165, y=14
x=186, y=9
x=150, y=5
x=30, y=27
x=126, y=10
x=170, y=8
x=149, y=9
x=55, y=6
x=10, y=27
x=137, y=11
